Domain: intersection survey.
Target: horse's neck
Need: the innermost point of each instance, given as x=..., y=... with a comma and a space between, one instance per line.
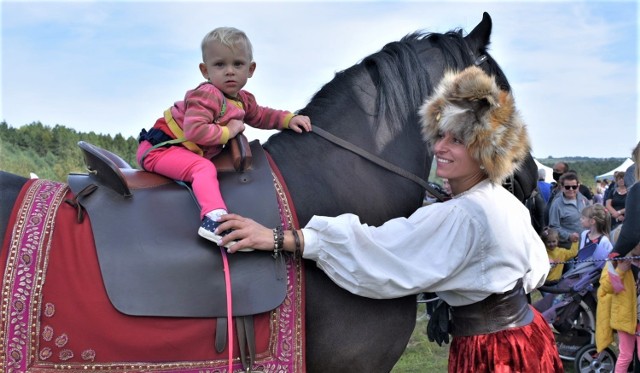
x=325, y=179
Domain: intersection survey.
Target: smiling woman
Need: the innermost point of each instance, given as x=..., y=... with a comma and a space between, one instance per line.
x=478, y=139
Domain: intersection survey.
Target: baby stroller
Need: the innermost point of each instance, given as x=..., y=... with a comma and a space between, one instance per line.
x=569, y=306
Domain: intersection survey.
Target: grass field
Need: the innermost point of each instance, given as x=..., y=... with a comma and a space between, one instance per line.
x=422, y=356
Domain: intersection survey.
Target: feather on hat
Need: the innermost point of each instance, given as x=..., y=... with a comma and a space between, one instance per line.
x=470, y=105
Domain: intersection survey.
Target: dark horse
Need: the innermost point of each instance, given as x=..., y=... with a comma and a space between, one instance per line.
x=373, y=105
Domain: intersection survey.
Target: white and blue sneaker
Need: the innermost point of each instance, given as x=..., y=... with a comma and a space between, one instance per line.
x=207, y=230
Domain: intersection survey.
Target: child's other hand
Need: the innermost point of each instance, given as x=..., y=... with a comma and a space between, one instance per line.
x=624, y=265
x=235, y=126
x=300, y=123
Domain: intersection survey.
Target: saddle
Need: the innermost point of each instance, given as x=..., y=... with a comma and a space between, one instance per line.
x=152, y=261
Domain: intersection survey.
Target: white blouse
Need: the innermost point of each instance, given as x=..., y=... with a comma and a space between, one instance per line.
x=479, y=243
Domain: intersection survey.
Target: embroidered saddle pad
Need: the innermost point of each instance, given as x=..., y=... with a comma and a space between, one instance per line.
x=154, y=263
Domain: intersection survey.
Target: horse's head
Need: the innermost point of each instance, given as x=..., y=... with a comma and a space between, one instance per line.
x=374, y=105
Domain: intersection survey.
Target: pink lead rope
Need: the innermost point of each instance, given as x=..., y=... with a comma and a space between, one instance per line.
x=227, y=281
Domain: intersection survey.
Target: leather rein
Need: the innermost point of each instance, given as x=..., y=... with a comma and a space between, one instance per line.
x=479, y=60
x=377, y=160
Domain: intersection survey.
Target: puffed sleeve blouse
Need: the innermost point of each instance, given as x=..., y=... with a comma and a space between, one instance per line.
x=479, y=243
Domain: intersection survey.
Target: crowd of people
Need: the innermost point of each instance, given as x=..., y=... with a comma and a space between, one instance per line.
x=602, y=226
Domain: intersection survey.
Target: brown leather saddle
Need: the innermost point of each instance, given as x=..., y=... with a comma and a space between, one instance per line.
x=145, y=229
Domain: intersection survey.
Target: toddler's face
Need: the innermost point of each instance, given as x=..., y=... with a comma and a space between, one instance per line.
x=227, y=68
x=551, y=242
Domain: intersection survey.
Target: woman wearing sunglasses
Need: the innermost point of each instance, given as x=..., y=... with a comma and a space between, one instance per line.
x=565, y=211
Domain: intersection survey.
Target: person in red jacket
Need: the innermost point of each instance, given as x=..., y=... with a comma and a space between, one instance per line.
x=182, y=142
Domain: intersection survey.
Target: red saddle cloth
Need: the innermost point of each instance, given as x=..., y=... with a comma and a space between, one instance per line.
x=56, y=314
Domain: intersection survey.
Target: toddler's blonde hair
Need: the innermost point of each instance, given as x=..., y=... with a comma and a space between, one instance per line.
x=230, y=37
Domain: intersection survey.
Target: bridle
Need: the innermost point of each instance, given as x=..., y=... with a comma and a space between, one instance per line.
x=378, y=161
x=383, y=163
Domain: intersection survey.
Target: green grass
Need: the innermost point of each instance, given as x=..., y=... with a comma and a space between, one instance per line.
x=421, y=355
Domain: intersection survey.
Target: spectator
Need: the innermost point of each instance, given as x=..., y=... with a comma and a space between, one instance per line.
x=594, y=240
x=598, y=197
x=559, y=168
x=557, y=255
x=630, y=231
x=543, y=187
x=584, y=190
x=566, y=209
x=616, y=202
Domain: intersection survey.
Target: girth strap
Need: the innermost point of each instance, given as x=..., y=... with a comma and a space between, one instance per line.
x=246, y=341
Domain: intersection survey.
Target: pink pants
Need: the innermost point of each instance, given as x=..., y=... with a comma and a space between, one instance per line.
x=627, y=343
x=179, y=163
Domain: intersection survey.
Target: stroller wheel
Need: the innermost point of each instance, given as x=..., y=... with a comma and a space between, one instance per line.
x=588, y=360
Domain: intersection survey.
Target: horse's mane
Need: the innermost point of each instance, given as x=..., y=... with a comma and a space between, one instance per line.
x=402, y=79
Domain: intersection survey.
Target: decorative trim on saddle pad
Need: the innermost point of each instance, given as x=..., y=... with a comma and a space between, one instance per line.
x=28, y=342
x=25, y=272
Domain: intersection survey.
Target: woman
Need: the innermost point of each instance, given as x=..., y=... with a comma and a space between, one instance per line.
x=616, y=201
x=478, y=251
x=630, y=232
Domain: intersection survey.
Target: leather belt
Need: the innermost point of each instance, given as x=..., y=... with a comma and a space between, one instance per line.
x=495, y=313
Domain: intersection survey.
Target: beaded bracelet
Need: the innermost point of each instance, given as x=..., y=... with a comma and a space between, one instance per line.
x=296, y=238
x=278, y=240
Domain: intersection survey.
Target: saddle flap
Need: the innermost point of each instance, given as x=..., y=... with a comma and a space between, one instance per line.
x=152, y=260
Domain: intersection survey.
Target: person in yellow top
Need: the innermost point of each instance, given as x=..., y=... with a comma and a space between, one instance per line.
x=618, y=310
x=557, y=255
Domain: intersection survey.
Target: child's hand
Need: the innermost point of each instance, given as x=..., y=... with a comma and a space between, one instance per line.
x=624, y=265
x=574, y=237
x=300, y=123
x=235, y=126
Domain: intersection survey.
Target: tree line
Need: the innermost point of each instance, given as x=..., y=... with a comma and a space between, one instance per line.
x=52, y=153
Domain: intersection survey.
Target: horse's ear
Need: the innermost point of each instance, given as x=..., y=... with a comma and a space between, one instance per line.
x=479, y=37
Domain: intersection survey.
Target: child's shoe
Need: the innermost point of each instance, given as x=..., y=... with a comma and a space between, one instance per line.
x=208, y=228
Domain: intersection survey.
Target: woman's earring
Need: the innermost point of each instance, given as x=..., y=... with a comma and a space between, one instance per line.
x=481, y=167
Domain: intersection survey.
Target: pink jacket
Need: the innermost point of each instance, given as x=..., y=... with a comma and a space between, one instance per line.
x=199, y=116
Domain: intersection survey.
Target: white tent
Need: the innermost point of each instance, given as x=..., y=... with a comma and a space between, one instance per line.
x=548, y=177
x=609, y=175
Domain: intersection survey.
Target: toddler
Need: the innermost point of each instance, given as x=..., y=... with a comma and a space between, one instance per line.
x=557, y=255
x=182, y=142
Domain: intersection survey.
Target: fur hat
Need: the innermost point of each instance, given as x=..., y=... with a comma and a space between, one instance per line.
x=470, y=105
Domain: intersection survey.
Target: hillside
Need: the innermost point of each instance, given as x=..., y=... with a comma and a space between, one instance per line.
x=52, y=152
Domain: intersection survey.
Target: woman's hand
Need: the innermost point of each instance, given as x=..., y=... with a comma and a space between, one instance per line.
x=247, y=233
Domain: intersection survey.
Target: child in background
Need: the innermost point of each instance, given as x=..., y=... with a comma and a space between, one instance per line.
x=557, y=255
x=181, y=143
x=594, y=241
x=618, y=310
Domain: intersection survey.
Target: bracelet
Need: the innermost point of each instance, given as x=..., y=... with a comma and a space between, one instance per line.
x=296, y=238
x=278, y=240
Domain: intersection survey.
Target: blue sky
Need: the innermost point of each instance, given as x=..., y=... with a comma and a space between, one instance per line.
x=113, y=67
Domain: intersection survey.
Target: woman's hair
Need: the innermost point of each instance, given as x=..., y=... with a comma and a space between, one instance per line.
x=601, y=216
x=620, y=175
x=230, y=37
